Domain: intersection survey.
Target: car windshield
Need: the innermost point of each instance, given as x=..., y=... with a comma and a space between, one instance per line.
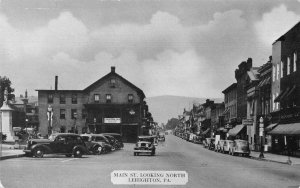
x=100, y=139
x=150, y=139
x=52, y=137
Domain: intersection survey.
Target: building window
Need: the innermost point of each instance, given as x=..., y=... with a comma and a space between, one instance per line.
x=288, y=66
x=62, y=114
x=74, y=98
x=273, y=103
x=130, y=98
x=73, y=113
x=277, y=103
x=96, y=97
x=84, y=114
x=274, y=73
x=50, y=98
x=277, y=69
x=108, y=98
x=62, y=99
x=295, y=61
x=281, y=69
x=112, y=82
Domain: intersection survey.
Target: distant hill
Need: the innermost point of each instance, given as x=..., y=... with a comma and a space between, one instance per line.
x=167, y=106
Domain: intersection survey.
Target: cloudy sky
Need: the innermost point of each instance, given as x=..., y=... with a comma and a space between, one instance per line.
x=165, y=47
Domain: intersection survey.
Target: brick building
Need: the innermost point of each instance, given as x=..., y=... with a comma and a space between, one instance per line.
x=111, y=104
x=286, y=90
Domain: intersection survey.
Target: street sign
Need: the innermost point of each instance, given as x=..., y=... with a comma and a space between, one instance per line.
x=112, y=120
x=248, y=122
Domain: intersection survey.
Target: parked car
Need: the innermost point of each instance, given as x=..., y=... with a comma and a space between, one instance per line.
x=219, y=146
x=197, y=140
x=226, y=146
x=117, y=136
x=145, y=144
x=240, y=147
x=58, y=143
x=210, y=143
x=161, y=137
x=113, y=142
x=96, y=144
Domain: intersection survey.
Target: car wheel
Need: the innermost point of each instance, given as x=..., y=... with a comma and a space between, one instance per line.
x=97, y=150
x=38, y=152
x=77, y=153
x=68, y=155
x=113, y=148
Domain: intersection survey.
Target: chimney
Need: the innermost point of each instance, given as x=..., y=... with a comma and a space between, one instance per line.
x=56, y=82
x=113, y=69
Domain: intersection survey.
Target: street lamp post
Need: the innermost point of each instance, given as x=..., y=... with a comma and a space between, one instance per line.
x=261, y=134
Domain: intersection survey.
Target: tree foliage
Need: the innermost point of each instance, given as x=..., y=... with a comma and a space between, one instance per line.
x=5, y=83
x=172, y=123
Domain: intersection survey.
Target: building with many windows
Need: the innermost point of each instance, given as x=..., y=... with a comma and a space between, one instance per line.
x=286, y=91
x=111, y=104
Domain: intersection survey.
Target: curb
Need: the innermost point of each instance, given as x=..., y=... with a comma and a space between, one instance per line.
x=268, y=160
x=11, y=156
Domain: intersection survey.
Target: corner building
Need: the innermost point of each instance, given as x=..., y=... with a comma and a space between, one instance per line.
x=111, y=104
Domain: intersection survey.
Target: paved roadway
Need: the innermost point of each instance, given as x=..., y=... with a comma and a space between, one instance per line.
x=205, y=168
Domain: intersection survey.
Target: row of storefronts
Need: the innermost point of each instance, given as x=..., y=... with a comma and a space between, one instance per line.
x=262, y=107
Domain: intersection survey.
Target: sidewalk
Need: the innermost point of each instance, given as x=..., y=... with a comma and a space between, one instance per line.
x=8, y=151
x=276, y=158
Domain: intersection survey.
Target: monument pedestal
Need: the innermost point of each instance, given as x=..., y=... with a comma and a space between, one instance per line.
x=6, y=123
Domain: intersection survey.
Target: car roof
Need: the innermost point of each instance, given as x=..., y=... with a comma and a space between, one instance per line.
x=147, y=136
x=65, y=134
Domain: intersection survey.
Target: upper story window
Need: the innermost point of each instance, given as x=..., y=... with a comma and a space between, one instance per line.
x=62, y=99
x=295, y=62
x=73, y=113
x=96, y=97
x=288, y=66
x=281, y=69
x=113, y=82
x=274, y=73
x=74, y=98
x=50, y=98
x=108, y=98
x=130, y=98
x=62, y=114
x=277, y=71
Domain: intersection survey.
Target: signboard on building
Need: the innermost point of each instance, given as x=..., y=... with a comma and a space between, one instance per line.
x=248, y=122
x=112, y=120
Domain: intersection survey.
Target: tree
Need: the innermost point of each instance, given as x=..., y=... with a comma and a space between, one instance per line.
x=172, y=123
x=5, y=83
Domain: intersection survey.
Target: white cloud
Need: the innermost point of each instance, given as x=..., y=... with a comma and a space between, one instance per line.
x=162, y=56
x=276, y=23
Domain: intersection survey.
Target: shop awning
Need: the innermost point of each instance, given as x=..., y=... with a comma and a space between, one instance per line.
x=286, y=129
x=206, y=131
x=235, y=130
x=270, y=127
x=225, y=111
x=281, y=95
x=290, y=92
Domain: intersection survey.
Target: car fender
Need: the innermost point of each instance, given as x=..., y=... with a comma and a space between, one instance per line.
x=84, y=149
x=46, y=148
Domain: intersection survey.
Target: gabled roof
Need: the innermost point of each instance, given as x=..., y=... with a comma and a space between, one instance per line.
x=231, y=87
x=113, y=73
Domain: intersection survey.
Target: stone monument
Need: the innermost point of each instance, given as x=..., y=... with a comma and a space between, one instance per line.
x=6, y=119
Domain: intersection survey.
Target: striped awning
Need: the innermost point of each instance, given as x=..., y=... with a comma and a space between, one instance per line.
x=286, y=129
x=270, y=127
x=235, y=130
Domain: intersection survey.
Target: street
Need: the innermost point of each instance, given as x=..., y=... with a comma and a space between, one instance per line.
x=205, y=168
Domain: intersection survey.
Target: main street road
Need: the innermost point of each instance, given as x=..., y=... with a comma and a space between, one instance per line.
x=205, y=168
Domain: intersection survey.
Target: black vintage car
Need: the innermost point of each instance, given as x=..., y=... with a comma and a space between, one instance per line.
x=58, y=143
x=117, y=136
x=97, y=143
x=145, y=145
